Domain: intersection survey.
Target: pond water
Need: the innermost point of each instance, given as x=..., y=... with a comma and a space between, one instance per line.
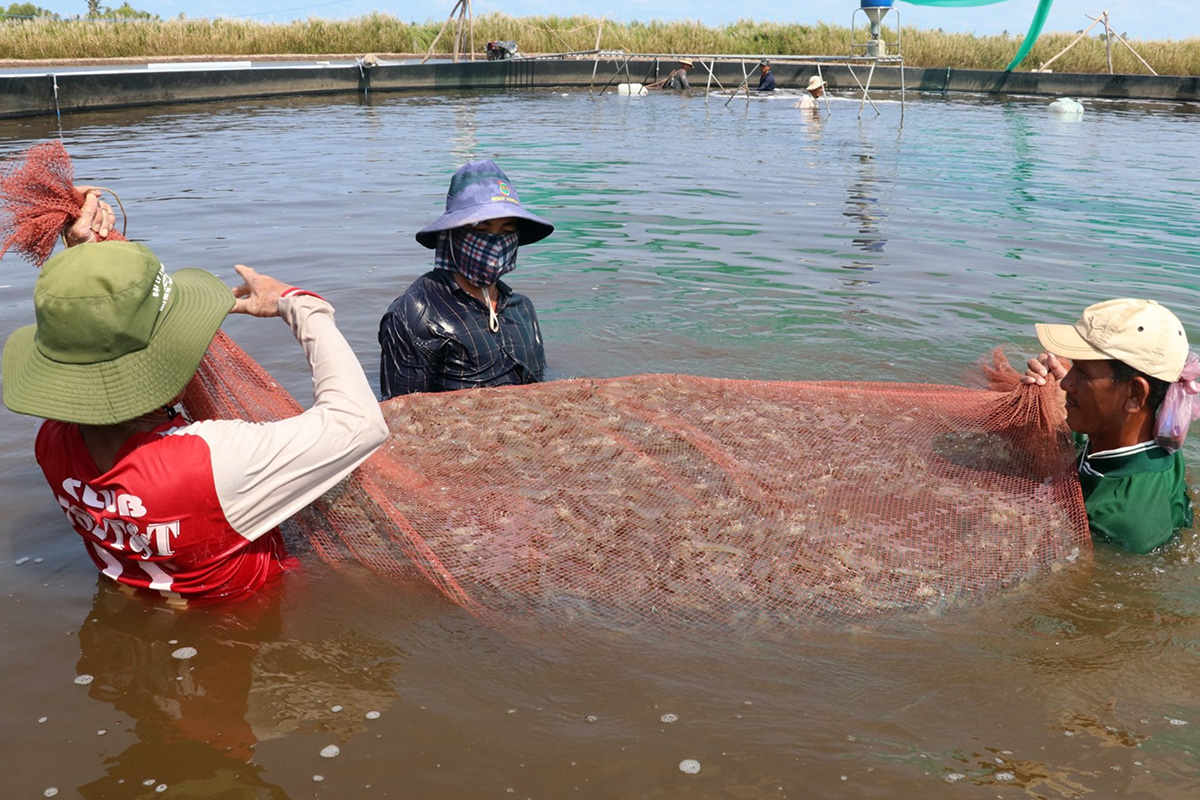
x=739, y=241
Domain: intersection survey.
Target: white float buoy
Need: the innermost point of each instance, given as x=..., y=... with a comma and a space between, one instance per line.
x=1066, y=107
x=631, y=89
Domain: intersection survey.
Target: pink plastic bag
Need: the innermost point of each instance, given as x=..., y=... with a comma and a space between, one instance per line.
x=1179, y=408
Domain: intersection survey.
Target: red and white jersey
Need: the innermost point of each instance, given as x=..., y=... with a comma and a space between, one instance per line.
x=192, y=509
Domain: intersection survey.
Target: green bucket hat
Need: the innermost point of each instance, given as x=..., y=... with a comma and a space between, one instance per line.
x=116, y=336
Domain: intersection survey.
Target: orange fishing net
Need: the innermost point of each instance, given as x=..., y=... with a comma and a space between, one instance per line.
x=37, y=199
x=673, y=500
x=681, y=500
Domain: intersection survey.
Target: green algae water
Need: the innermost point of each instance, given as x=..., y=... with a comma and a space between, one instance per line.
x=746, y=241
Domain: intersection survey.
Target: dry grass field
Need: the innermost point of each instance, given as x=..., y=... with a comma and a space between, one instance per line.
x=61, y=40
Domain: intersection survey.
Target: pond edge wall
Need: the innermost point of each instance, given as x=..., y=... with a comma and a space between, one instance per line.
x=49, y=93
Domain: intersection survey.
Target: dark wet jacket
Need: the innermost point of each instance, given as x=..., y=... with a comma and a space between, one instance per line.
x=678, y=80
x=767, y=82
x=435, y=338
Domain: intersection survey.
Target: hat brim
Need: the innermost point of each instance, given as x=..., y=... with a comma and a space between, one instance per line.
x=1064, y=340
x=126, y=387
x=532, y=227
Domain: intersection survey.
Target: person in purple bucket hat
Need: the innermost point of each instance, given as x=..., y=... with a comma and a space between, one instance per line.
x=459, y=326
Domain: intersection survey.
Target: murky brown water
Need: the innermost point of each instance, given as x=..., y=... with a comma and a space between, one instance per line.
x=691, y=239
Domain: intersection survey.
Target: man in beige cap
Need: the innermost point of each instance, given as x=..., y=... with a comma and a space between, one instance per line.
x=815, y=88
x=678, y=79
x=1130, y=374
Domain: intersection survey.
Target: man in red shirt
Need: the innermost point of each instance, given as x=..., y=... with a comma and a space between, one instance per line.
x=187, y=509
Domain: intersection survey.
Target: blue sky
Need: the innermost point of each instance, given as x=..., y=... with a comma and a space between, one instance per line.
x=1161, y=19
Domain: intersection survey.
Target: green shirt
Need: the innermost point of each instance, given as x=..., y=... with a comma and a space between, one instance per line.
x=1135, y=496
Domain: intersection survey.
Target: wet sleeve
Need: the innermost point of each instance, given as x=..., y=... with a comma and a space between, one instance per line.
x=266, y=472
x=408, y=361
x=538, y=367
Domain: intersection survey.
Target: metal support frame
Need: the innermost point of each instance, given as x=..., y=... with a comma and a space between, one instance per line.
x=866, y=48
x=464, y=29
x=708, y=62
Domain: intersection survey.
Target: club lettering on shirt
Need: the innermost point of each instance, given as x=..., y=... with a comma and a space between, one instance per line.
x=79, y=517
x=127, y=505
x=120, y=530
x=102, y=499
x=71, y=487
x=162, y=535
x=119, y=533
x=139, y=544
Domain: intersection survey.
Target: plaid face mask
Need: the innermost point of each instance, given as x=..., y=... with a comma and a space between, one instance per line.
x=481, y=258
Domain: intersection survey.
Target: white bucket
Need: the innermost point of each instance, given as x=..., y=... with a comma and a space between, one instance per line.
x=632, y=89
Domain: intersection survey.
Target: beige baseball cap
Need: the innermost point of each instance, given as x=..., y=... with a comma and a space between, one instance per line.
x=1140, y=333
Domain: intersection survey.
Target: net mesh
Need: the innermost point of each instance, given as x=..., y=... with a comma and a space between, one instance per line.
x=1031, y=36
x=37, y=199
x=683, y=501
x=657, y=500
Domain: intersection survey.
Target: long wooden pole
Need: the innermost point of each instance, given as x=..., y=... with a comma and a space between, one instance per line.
x=442, y=30
x=1074, y=41
x=460, y=41
x=1107, y=42
x=1121, y=39
x=745, y=82
x=596, y=62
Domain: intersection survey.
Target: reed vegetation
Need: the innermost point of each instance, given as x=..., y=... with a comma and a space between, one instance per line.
x=382, y=34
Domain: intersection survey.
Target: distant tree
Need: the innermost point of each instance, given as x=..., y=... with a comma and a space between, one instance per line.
x=22, y=10
x=126, y=11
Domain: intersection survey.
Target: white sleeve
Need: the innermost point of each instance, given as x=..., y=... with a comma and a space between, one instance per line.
x=266, y=472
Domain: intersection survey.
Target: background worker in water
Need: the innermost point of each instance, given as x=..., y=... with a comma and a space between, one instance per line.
x=459, y=326
x=678, y=79
x=766, y=79
x=811, y=93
